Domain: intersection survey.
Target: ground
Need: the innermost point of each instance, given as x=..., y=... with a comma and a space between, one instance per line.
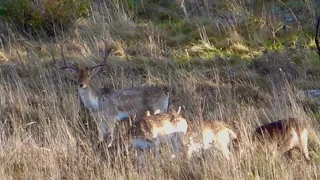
x=227, y=60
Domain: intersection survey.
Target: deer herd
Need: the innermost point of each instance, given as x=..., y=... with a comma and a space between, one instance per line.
x=154, y=123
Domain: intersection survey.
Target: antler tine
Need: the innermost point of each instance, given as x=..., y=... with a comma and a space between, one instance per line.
x=107, y=51
x=65, y=62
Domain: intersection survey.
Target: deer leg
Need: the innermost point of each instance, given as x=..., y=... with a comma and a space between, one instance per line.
x=111, y=131
x=102, y=131
x=141, y=157
x=188, y=146
x=289, y=155
x=224, y=149
x=156, y=150
x=107, y=131
x=176, y=143
x=111, y=135
x=306, y=153
x=304, y=145
x=287, y=145
x=189, y=151
x=285, y=148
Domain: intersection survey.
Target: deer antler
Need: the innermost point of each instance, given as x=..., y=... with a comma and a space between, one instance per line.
x=107, y=50
x=316, y=38
x=73, y=67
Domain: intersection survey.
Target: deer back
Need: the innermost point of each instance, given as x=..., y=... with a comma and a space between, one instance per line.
x=278, y=130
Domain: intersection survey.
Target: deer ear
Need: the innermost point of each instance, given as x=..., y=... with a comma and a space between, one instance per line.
x=70, y=70
x=179, y=110
x=173, y=111
x=95, y=70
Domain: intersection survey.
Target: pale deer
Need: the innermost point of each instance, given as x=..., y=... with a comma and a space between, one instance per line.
x=284, y=135
x=212, y=134
x=109, y=105
x=151, y=130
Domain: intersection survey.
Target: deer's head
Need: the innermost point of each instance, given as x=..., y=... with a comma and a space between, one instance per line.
x=84, y=74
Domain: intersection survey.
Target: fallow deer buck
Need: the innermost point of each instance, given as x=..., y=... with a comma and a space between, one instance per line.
x=151, y=130
x=109, y=105
x=284, y=135
x=213, y=134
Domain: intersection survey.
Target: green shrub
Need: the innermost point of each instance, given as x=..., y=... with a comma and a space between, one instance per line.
x=158, y=10
x=34, y=16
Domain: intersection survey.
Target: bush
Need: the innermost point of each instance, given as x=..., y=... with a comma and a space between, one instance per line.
x=158, y=10
x=31, y=16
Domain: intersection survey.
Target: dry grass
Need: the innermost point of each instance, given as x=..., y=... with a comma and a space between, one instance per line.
x=44, y=136
x=47, y=134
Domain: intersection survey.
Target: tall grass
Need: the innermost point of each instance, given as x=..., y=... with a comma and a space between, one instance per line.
x=47, y=134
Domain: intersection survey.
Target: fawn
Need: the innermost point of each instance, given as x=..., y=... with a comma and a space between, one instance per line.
x=151, y=130
x=213, y=134
x=285, y=134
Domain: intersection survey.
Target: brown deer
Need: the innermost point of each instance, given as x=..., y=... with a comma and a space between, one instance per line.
x=284, y=135
x=151, y=130
x=213, y=134
x=109, y=105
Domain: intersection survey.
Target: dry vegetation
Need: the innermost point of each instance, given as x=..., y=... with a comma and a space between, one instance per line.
x=228, y=60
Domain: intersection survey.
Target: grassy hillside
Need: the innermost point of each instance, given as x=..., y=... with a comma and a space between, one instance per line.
x=223, y=60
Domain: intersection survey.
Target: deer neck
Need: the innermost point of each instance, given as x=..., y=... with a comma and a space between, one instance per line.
x=89, y=98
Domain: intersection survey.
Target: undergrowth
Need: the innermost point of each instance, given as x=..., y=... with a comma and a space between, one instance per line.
x=223, y=60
